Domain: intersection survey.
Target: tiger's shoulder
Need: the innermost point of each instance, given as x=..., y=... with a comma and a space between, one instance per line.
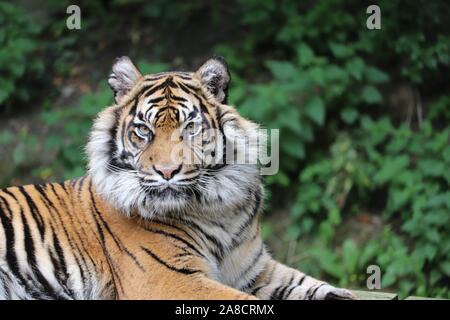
x=39, y=195
x=49, y=246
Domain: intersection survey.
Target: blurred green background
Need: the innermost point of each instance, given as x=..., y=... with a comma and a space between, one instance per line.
x=364, y=115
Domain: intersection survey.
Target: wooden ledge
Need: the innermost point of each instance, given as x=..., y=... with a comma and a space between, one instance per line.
x=378, y=295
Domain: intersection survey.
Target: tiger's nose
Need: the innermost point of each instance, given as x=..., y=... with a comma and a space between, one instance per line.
x=167, y=172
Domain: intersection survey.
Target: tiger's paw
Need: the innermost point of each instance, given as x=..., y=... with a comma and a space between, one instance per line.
x=328, y=292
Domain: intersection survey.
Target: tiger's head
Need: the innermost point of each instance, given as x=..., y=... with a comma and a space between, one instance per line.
x=161, y=148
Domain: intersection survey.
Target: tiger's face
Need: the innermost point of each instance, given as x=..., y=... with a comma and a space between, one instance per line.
x=161, y=148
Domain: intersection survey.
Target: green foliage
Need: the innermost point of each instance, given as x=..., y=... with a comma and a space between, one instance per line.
x=308, y=84
x=69, y=135
x=412, y=169
x=18, y=61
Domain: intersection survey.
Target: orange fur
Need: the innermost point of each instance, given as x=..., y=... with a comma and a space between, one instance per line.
x=80, y=219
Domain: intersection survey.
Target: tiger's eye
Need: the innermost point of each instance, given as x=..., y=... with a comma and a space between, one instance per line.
x=191, y=128
x=142, y=130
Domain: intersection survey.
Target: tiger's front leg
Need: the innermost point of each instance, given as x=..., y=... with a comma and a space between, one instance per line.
x=280, y=282
x=197, y=287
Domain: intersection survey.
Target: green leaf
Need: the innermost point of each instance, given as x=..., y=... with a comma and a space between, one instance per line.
x=349, y=115
x=17, y=69
x=327, y=261
x=432, y=167
x=369, y=253
x=317, y=74
x=374, y=75
x=266, y=230
x=350, y=255
x=432, y=235
x=294, y=149
x=355, y=67
x=305, y=54
x=391, y=167
x=388, y=279
x=281, y=178
x=341, y=50
x=282, y=70
x=315, y=110
x=6, y=136
x=19, y=154
x=334, y=73
x=445, y=267
x=53, y=142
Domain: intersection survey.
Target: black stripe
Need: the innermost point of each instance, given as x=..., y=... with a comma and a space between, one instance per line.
x=281, y=293
x=103, y=246
x=290, y=291
x=180, y=229
x=203, y=107
x=255, y=291
x=250, y=283
x=63, y=186
x=301, y=280
x=156, y=100
x=12, y=195
x=183, y=76
x=31, y=258
x=119, y=244
x=4, y=278
x=274, y=295
x=62, y=264
x=174, y=236
x=133, y=107
x=47, y=204
x=186, y=89
x=113, y=133
x=81, y=184
x=193, y=88
x=176, y=98
x=156, y=77
x=11, y=257
x=73, y=245
x=217, y=244
x=40, y=189
x=180, y=270
x=253, y=262
x=167, y=83
x=250, y=219
x=34, y=211
x=315, y=290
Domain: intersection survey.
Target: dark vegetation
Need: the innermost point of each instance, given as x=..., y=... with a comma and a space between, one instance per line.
x=364, y=115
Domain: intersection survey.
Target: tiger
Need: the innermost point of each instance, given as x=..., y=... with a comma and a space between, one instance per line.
x=142, y=223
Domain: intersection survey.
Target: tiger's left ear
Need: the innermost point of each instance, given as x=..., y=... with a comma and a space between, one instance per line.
x=123, y=77
x=215, y=76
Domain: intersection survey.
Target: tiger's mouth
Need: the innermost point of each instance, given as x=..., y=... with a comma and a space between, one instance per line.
x=167, y=191
x=171, y=192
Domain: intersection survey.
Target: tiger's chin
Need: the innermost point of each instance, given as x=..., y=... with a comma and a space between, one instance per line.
x=165, y=202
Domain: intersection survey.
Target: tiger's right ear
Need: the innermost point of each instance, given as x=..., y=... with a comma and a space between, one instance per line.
x=123, y=77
